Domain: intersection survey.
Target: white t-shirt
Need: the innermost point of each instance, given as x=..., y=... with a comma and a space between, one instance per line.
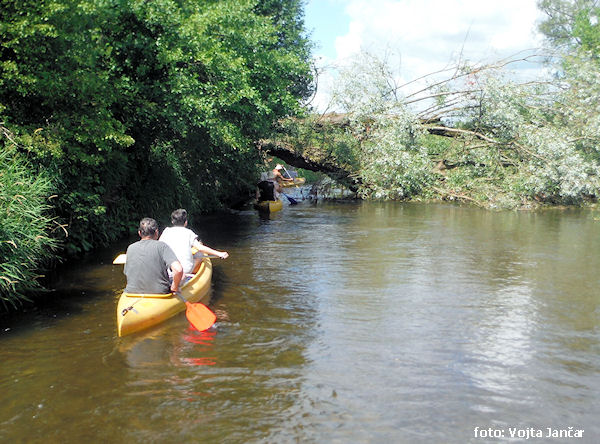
x=181, y=239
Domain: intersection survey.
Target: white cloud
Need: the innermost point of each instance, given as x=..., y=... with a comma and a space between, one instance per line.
x=428, y=35
x=346, y=45
x=413, y=25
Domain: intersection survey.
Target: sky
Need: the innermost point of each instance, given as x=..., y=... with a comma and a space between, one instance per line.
x=424, y=36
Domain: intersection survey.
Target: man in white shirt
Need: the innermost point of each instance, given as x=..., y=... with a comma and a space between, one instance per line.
x=181, y=240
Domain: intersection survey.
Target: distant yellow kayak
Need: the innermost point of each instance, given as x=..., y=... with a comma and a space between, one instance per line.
x=297, y=181
x=269, y=206
x=137, y=312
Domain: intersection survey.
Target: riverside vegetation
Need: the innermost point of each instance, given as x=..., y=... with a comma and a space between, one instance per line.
x=472, y=132
x=129, y=108
x=111, y=110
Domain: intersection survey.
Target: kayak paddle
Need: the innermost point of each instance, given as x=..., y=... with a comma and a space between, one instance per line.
x=199, y=315
x=291, y=199
x=122, y=258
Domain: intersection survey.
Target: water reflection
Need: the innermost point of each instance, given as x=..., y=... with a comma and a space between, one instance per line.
x=202, y=344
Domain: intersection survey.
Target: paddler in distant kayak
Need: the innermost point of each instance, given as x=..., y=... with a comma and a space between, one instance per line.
x=148, y=261
x=278, y=176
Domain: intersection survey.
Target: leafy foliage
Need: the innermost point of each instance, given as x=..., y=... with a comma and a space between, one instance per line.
x=571, y=24
x=135, y=108
x=477, y=136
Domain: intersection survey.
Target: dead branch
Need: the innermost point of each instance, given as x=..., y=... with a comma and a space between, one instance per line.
x=445, y=193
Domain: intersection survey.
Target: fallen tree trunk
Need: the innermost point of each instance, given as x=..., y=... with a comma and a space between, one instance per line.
x=290, y=156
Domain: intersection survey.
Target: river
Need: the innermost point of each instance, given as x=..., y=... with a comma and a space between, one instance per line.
x=336, y=322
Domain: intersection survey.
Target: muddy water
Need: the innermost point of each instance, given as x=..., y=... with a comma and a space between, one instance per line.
x=336, y=323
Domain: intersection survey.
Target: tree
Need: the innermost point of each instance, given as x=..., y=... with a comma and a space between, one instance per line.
x=571, y=24
x=139, y=107
x=136, y=108
x=476, y=134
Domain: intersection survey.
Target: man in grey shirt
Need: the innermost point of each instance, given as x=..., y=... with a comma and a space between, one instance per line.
x=147, y=262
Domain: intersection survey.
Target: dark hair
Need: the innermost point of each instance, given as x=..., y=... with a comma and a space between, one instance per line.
x=178, y=217
x=148, y=227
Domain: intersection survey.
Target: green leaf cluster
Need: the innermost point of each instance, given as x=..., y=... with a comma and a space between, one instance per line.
x=571, y=24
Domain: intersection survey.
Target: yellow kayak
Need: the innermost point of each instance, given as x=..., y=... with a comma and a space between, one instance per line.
x=137, y=312
x=269, y=206
x=297, y=181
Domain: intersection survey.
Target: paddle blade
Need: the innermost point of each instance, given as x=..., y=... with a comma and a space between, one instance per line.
x=120, y=259
x=200, y=316
x=291, y=199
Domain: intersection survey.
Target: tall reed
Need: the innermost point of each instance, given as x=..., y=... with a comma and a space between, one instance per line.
x=26, y=242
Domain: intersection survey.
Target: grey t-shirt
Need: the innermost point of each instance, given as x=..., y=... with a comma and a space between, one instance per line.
x=146, y=267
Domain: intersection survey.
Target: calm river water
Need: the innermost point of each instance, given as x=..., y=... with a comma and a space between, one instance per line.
x=337, y=322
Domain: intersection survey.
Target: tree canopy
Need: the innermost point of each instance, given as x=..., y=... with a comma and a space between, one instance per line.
x=134, y=108
x=571, y=24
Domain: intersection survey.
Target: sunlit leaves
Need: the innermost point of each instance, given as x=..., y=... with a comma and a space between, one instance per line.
x=515, y=143
x=392, y=163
